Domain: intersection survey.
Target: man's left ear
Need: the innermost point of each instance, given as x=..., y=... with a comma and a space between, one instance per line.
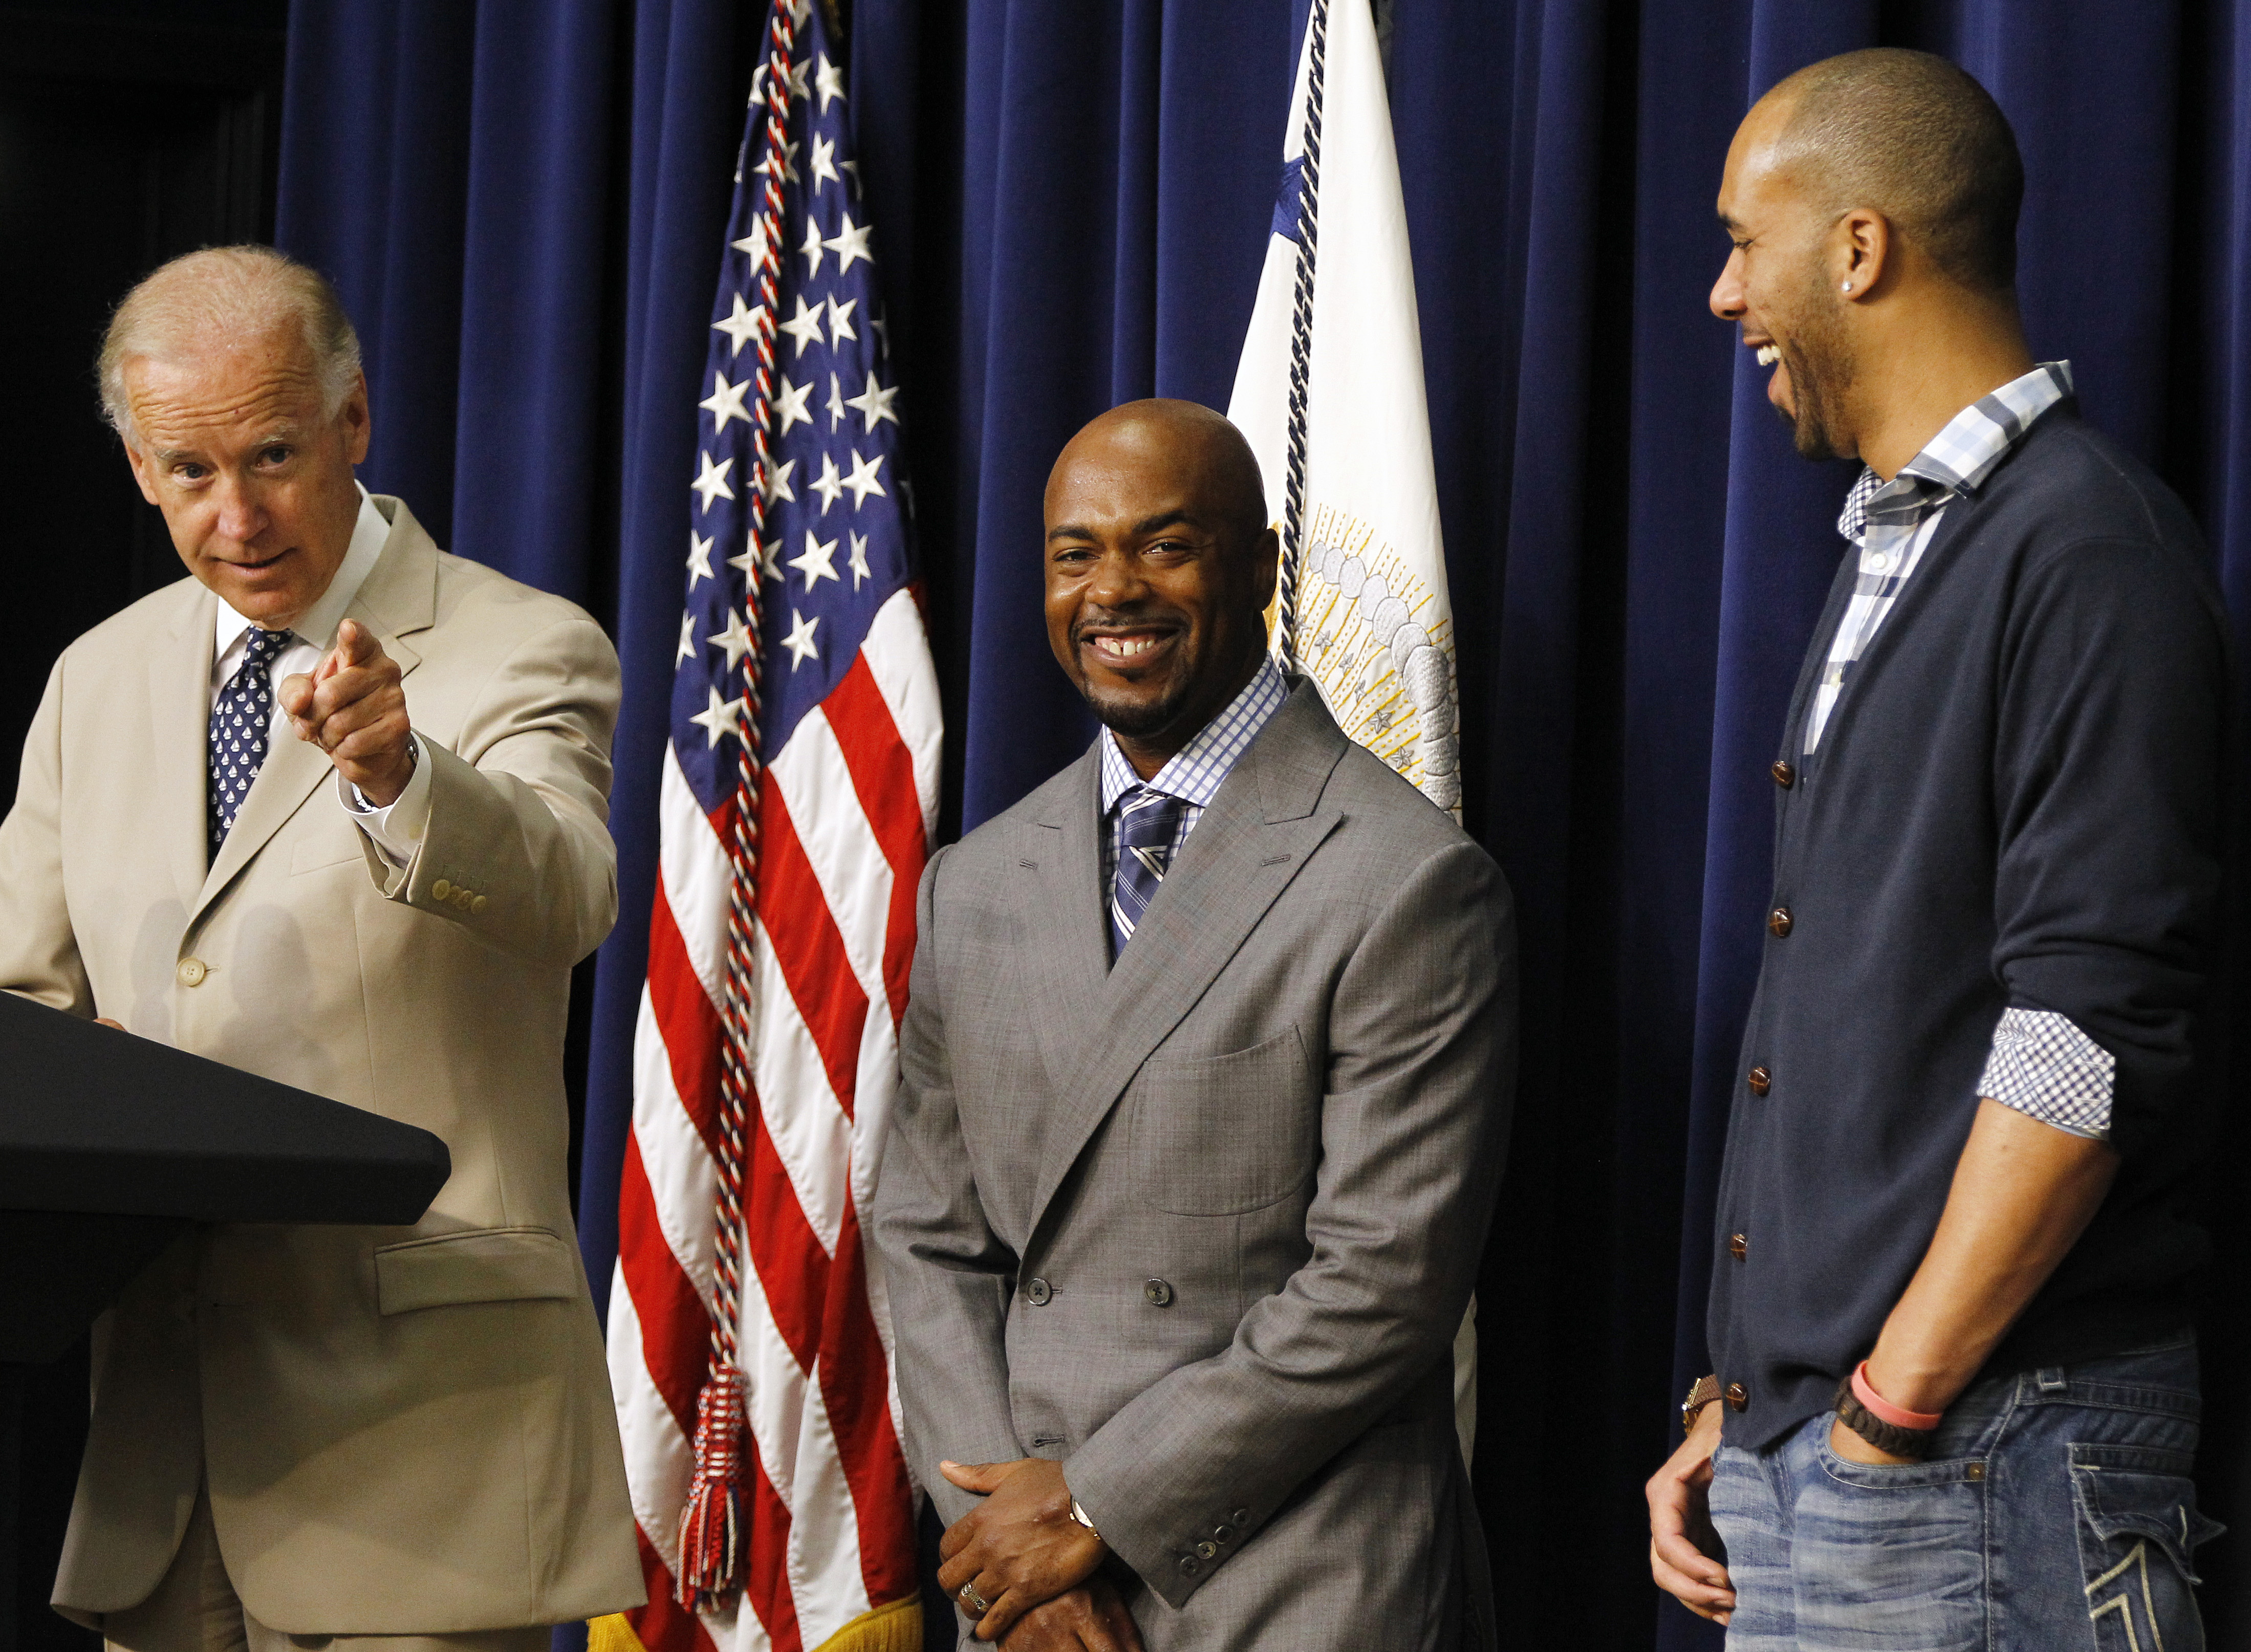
x=1863, y=250
x=1266, y=565
x=356, y=422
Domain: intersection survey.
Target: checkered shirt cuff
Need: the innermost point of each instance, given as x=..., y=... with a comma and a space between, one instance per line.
x=2046, y=1069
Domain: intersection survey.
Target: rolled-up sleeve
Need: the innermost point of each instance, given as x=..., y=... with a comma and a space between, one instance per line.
x=2107, y=780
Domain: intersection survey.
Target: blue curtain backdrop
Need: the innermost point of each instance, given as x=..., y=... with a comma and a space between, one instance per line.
x=521, y=201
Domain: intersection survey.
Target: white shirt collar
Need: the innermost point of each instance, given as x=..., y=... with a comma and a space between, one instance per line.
x=317, y=625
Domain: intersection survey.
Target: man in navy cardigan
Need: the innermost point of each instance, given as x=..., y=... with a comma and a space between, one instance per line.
x=1956, y=1400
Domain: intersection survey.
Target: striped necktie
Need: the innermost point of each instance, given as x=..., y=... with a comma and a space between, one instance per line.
x=238, y=726
x=1147, y=822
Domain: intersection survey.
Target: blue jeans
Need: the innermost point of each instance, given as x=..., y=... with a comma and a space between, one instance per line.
x=2056, y=1512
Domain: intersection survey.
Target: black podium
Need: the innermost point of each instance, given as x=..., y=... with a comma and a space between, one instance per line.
x=112, y=1146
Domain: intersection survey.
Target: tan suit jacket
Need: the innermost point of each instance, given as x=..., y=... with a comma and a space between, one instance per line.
x=405, y=1430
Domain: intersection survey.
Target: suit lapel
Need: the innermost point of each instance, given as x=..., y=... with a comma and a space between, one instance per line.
x=180, y=725
x=1260, y=830
x=1070, y=959
x=399, y=596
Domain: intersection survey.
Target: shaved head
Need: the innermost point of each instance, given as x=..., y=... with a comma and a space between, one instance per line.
x=1192, y=438
x=1160, y=566
x=1912, y=136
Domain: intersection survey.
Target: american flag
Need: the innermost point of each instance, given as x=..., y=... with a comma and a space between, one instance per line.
x=797, y=801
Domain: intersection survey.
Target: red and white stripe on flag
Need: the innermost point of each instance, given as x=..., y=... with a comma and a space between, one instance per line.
x=801, y=631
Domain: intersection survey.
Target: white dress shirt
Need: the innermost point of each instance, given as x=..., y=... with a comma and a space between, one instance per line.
x=396, y=831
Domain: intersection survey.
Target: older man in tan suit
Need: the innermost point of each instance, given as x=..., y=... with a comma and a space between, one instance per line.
x=332, y=810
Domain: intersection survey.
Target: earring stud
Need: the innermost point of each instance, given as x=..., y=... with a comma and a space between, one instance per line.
x=1848, y=287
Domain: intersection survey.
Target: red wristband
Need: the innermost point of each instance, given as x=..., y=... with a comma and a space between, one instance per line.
x=1884, y=1411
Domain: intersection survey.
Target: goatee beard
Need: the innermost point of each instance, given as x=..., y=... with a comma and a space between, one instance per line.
x=1137, y=720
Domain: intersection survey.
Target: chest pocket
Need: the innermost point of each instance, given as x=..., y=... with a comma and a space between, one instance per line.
x=1223, y=1134
x=327, y=847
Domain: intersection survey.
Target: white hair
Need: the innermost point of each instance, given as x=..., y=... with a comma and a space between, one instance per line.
x=227, y=297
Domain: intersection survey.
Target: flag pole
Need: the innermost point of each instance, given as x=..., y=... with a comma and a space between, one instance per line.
x=1301, y=337
x=714, y=1527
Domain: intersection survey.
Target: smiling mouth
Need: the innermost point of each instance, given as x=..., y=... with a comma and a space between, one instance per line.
x=1126, y=648
x=1768, y=354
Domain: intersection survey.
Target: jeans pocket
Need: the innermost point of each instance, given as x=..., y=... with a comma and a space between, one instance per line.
x=2138, y=1531
x=1887, y=1554
x=1895, y=1476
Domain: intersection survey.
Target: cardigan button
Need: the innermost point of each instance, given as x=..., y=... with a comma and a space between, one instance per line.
x=1738, y=1397
x=1779, y=922
x=1739, y=1247
x=1759, y=1080
x=1784, y=775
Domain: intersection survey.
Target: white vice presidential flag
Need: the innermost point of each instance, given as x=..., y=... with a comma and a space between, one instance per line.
x=1329, y=391
x=1371, y=621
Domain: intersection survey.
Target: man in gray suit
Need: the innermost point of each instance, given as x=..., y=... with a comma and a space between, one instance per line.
x=1206, y=1075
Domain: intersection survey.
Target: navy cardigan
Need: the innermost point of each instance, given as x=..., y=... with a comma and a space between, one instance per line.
x=2016, y=801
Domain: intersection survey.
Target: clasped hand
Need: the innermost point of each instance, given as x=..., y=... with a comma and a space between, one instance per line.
x=352, y=707
x=1032, y=1565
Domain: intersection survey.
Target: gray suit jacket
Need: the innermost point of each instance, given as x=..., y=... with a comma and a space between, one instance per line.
x=1202, y=1225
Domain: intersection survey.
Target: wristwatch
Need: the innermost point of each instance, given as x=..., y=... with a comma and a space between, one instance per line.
x=1706, y=1389
x=1079, y=1513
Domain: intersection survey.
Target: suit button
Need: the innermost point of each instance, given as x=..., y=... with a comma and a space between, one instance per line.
x=1779, y=922
x=1739, y=1248
x=1208, y=1551
x=1243, y=1516
x=1159, y=1293
x=1222, y=1534
x=441, y=890
x=477, y=905
x=1784, y=776
x=1038, y=1292
x=1759, y=1080
x=1738, y=1397
x=192, y=971
x=1190, y=1566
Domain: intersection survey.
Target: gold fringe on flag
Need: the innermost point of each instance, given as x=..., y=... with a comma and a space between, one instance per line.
x=896, y=1626
x=613, y=1634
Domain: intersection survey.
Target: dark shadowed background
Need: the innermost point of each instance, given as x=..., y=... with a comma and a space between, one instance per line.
x=521, y=201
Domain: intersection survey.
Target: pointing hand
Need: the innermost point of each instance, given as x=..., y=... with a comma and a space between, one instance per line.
x=353, y=707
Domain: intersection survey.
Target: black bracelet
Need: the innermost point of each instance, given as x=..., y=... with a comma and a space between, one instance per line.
x=1887, y=1437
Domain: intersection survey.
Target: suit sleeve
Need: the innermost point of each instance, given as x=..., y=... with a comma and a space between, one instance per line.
x=517, y=848
x=947, y=1275
x=1414, y=1124
x=39, y=950
x=2107, y=793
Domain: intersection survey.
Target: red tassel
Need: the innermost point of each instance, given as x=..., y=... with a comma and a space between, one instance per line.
x=711, y=1526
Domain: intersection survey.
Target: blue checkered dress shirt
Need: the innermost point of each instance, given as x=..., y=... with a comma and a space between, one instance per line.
x=1196, y=770
x=1890, y=522
x=2041, y=1064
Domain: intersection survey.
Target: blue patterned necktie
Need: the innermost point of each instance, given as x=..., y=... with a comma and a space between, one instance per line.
x=1146, y=824
x=238, y=725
